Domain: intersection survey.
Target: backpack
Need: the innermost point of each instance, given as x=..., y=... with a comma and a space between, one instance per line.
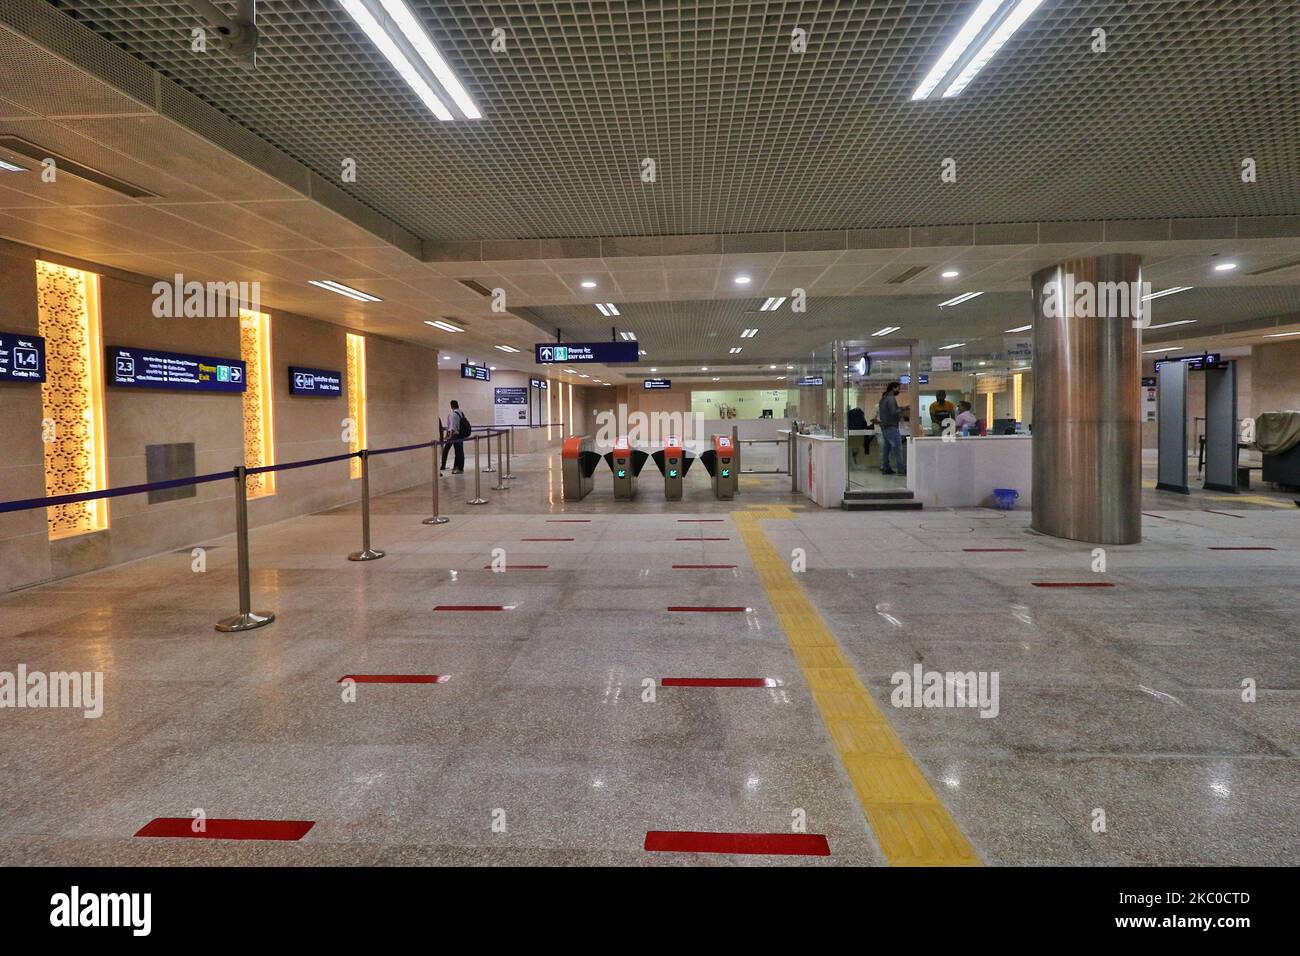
x=464, y=426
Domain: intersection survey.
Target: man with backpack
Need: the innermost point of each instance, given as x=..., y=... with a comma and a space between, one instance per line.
x=457, y=430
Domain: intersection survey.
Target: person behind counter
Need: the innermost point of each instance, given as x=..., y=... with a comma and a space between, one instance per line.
x=941, y=410
x=966, y=421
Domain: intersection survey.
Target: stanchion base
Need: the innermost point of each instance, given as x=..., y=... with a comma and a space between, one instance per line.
x=370, y=554
x=436, y=519
x=502, y=486
x=245, y=622
x=477, y=501
x=508, y=477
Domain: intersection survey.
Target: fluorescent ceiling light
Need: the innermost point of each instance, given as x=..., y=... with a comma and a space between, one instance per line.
x=950, y=274
x=1176, y=348
x=1278, y=335
x=1166, y=325
x=704, y=368
x=643, y=352
x=492, y=367
x=445, y=326
x=506, y=348
x=1165, y=292
x=1019, y=328
x=771, y=366
x=654, y=370
x=600, y=307
x=341, y=289
x=716, y=379
x=580, y=375
x=1225, y=267
x=887, y=330
x=735, y=349
x=607, y=308
x=992, y=45
x=628, y=336
x=748, y=333
x=955, y=345
x=11, y=168
x=772, y=304
x=957, y=300
x=742, y=280
x=789, y=368
x=965, y=37
x=397, y=33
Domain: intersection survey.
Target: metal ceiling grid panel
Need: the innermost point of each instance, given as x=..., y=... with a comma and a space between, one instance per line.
x=749, y=136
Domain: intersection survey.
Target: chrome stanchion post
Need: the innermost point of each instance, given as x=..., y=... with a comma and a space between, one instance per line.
x=245, y=620
x=501, y=475
x=489, y=444
x=437, y=518
x=510, y=450
x=478, y=498
x=366, y=553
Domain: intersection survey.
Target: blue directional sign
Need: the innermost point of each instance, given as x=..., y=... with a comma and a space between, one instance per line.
x=315, y=382
x=572, y=353
x=149, y=368
x=22, y=358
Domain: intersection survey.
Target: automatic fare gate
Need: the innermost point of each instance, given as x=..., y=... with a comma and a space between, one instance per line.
x=626, y=463
x=674, y=462
x=577, y=464
x=720, y=460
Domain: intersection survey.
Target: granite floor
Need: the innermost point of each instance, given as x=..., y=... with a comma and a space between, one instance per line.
x=1121, y=735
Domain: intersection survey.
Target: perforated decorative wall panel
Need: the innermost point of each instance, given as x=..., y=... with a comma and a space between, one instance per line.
x=71, y=397
x=259, y=444
x=356, y=397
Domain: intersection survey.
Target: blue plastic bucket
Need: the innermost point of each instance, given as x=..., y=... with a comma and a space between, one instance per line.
x=1005, y=498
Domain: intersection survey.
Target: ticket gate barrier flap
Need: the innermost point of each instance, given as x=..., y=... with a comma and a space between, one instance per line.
x=578, y=463
x=686, y=461
x=636, y=461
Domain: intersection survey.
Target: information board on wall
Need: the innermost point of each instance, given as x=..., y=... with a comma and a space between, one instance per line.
x=315, y=382
x=150, y=368
x=510, y=406
x=22, y=358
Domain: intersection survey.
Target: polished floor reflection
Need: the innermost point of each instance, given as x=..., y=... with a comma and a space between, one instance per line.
x=1121, y=734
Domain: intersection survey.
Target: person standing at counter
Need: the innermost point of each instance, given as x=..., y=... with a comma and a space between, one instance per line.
x=891, y=414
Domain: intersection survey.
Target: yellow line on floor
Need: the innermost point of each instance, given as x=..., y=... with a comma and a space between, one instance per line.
x=911, y=823
x=1254, y=499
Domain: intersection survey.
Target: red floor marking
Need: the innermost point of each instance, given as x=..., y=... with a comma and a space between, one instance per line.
x=472, y=607
x=993, y=549
x=728, y=610
x=545, y=539
x=698, y=567
x=1211, y=511
x=568, y=521
x=716, y=682
x=520, y=567
x=395, y=678
x=701, y=520
x=1073, y=584
x=703, y=539
x=227, y=829
x=783, y=844
x=1243, y=549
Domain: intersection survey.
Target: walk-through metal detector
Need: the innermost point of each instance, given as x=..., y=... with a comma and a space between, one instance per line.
x=1221, y=441
x=674, y=462
x=577, y=464
x=626, y=463
x=720, y=460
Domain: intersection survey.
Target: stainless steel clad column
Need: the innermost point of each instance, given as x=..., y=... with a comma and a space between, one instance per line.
x=1087, y=406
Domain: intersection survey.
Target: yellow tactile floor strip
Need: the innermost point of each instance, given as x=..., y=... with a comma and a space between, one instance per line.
x=910, y=822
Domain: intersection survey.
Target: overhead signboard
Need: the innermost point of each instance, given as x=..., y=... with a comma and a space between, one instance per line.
x=315, y=382
x=538, y=383
x=480, y=373
x=809, y=381
x=574, y=353
x=150, y=368
x=22, y=358
x=653, y=383
x=1194, y=363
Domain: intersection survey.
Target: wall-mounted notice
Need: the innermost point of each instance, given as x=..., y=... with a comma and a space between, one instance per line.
x=22, y=358
x=653, y=383
x=315, y=382
x=480, y=372
x=941, y=363
x=149, y=368
x=511, y=406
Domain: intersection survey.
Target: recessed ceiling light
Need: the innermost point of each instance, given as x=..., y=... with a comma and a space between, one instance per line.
x=1019, y=328
x=654, y=370
x=581, y=375
x=789, y=368
x=743, y=280
x=716, y=379
x=955, y=345
x=492, y=367
x=771, y=366
x=341, y=289
x=397, y=33
x=704, y=368
x=589, y=283
x=734, y=349
x=887, y=330
x=957, y=300
x=506, y=348
x=1165, y=292
x=950, y=274
x=445, y=326
x=642, y=352
x=1225, y=267
x=1176, y=348
x=1166, y=325
x=11, y=168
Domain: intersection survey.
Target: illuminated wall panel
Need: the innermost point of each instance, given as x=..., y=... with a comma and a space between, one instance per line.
x=72, y=396
x=357, y=397
x=1017, y=386
x=259, y=433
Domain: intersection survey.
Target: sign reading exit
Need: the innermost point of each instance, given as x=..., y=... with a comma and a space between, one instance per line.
x=550, y=353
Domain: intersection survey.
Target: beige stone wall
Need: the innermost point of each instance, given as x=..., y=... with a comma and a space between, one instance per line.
x=402, y=408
